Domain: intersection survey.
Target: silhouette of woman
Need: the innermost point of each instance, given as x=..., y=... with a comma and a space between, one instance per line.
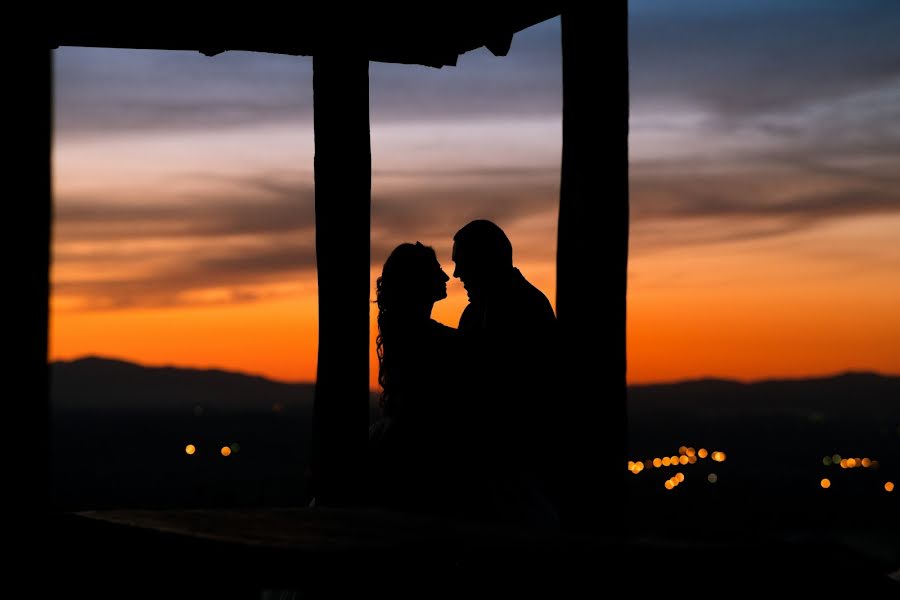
x=410, y=442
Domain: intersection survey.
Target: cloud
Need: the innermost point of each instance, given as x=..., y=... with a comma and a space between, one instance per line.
x=748, y=57
x=433, y=207
x=675, y=210
x=739, y=197
x=732, y=59
x=750, y=120
x=263, y=204
x=141, y=256
x=102, y=91
x=250, y=232
x=526, y=82
x=260, y=231
x=764, y=175
x=205, y=274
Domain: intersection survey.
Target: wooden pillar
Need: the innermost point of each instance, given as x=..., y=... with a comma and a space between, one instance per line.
x=27, y=139
x=343, y=179
x=592, y=262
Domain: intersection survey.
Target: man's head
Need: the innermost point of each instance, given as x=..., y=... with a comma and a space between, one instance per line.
x=482, y=254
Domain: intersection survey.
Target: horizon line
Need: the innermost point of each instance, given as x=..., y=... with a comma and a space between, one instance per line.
x=706, y=378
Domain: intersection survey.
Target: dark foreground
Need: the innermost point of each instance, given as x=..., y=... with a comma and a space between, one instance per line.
x=311, y=553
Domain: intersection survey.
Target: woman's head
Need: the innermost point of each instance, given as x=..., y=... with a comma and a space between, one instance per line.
x=411, y=278
x=411, y=281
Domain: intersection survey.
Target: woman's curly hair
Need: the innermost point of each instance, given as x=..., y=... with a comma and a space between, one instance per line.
x=403, y=280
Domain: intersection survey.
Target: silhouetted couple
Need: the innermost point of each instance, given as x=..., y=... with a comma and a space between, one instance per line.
x=465, y=423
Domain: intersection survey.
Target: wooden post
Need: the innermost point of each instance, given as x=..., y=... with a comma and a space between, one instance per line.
x=27, y=138
x=343, y=179
x=592, y=263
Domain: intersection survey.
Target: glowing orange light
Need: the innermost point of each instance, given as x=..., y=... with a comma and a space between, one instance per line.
x=843, y=463
x=683, y=460
x=190, y=449
x=866, y=462
x=889, y=486
x=682, y=450
x=825, y=483
x=692, y=459
x=669, y=485
x=657, y=463
x=673, y=459
x=679, y=477
x=226, y=451
x=702, y=453
x=666, y=461
x=851, y=462
x=691, y=452
x=722, y=456
x=631, y=465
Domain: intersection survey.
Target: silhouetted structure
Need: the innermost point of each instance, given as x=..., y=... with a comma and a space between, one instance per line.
x=240, y=550
x=593, y=203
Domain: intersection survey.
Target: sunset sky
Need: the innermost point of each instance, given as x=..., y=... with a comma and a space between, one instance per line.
x=765, y=191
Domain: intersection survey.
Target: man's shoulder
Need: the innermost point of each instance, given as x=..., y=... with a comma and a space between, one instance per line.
x=520, y=282
x=468, y=319
x=531, y=294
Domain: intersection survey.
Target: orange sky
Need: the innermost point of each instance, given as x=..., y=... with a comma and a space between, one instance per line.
x=765, y=240
x=743, y=310
x=737, y=312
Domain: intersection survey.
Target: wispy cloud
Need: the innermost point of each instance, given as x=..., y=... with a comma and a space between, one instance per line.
x=672, y=210
x=748, y=56
x=260, y=214
x=102, y=91
x=228, y=273
x=750, y=120
x=112, y=91
x=261, y=231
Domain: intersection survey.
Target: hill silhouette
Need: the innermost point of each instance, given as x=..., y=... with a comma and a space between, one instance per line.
x=103, y=384
x=120, y=431
x=847, y=395
x=95, y=383
x=788, y=423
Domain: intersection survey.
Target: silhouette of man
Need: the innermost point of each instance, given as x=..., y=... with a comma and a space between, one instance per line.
x=510, y=330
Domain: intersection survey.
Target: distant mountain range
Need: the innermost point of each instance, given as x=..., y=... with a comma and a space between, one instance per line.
x=848, y=395
x=103, y=384
x=856, y=413
x=129, y=426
